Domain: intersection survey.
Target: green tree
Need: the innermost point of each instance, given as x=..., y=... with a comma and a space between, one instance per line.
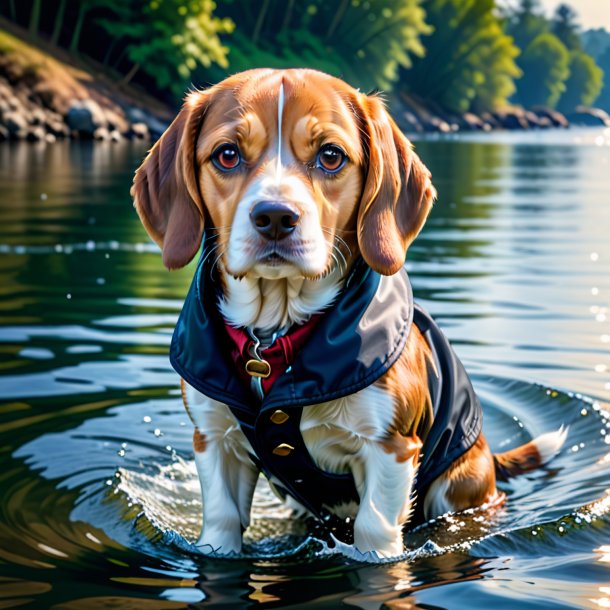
x=584, y=84
x=545, y=65
x=364, y=41
x=169, y=39
x=565, y=27
x=525, y=22
x=469, y=61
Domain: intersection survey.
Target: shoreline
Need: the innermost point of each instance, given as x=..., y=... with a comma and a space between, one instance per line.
x=43, y=98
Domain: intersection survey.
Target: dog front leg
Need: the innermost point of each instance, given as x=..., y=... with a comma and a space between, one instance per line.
x=226, y=474
x=227, y=487
x=384, y=477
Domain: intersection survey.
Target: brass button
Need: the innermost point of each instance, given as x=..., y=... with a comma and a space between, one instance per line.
x=258, y=368
x=279, y=417
x=283, y=449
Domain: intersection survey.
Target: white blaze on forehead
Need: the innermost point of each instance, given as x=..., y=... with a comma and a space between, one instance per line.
x=280, y=112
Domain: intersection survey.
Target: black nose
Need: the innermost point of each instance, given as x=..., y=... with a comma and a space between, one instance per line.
x=273, y=219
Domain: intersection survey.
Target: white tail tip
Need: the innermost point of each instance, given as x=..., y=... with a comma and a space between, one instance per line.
x=549, y=444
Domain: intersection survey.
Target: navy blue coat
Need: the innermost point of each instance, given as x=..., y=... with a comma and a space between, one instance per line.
x=355, y=342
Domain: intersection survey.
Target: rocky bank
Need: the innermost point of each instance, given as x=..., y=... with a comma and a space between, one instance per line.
x=46, y=97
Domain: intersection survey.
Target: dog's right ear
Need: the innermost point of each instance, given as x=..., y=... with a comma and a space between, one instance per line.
x=166, y=190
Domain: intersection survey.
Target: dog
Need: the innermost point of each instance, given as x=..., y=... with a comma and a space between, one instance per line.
x=301, y=352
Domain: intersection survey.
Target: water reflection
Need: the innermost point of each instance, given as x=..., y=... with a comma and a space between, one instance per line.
x=99, y=492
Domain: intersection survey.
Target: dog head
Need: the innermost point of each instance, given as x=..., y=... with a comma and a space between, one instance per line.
x=284, y=167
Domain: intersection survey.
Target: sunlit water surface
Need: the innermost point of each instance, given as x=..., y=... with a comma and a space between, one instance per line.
x=98, y=492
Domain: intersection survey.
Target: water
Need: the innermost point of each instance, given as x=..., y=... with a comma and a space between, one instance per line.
x=99, y=496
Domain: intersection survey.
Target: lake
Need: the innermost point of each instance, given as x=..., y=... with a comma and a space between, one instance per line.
x=99, y=494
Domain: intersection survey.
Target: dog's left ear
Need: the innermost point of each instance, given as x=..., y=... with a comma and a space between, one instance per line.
x=165, y=188
x=397, y=193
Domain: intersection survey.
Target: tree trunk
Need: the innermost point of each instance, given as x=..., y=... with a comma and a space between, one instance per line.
x=127, y=78
x=59, y=21
x=287, y=16
x=259, y=22
x=109, y=50
x=337, y=19
x=35, y=17
x=82, y=11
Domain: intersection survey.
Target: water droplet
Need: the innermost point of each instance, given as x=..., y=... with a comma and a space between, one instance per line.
x=574, y=448
x=168, y=447
x=109, y=482
x=583, y=412
x=157, y=432
x=121, y=452
x=68, y=296
x=147, y=419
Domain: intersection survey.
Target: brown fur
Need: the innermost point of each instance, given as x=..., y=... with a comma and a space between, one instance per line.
x=517, y=461
x=377, y=204
x=199, y=441
x=471, y=478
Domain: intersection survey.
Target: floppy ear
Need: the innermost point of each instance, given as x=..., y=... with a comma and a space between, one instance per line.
x=397, y=194
x=166, y=190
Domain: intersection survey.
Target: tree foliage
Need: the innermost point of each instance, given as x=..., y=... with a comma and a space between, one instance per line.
x=545, y=65
x=364, y=41
x=525, y=22
x=565, y=26
x=469, y=60
x=169, y=39
x=460, y=54
x=584, y=83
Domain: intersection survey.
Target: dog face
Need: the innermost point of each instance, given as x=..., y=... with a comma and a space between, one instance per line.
x=281, y=166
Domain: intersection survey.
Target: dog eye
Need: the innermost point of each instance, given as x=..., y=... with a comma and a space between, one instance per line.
x=226, y=157
x=331, y=159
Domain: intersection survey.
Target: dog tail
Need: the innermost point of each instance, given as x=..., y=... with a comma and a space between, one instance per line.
x=530, y=456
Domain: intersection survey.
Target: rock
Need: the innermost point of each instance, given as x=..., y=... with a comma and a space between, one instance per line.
x=57, y=128
x=37, y=117
x=156, y=128
x=472, y=122
x=555, y=117
x=139, y=131
x=4, y=133
x=115, y=121
x=593, y=117
x=50, y=138
x=511, y=118
x=101, y=134
x=14, y=122
x=85, y=117
x=490, y=120
x=35, y=134
x=115, y=135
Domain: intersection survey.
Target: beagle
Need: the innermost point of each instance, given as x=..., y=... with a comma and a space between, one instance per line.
x=301, y=352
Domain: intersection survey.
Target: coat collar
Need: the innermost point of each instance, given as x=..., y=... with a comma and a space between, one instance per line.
x=354, y=343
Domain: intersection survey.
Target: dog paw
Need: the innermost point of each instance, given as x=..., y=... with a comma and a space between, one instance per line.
x=218, y=545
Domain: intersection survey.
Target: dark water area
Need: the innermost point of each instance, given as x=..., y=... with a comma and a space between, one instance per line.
x=98, y=493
